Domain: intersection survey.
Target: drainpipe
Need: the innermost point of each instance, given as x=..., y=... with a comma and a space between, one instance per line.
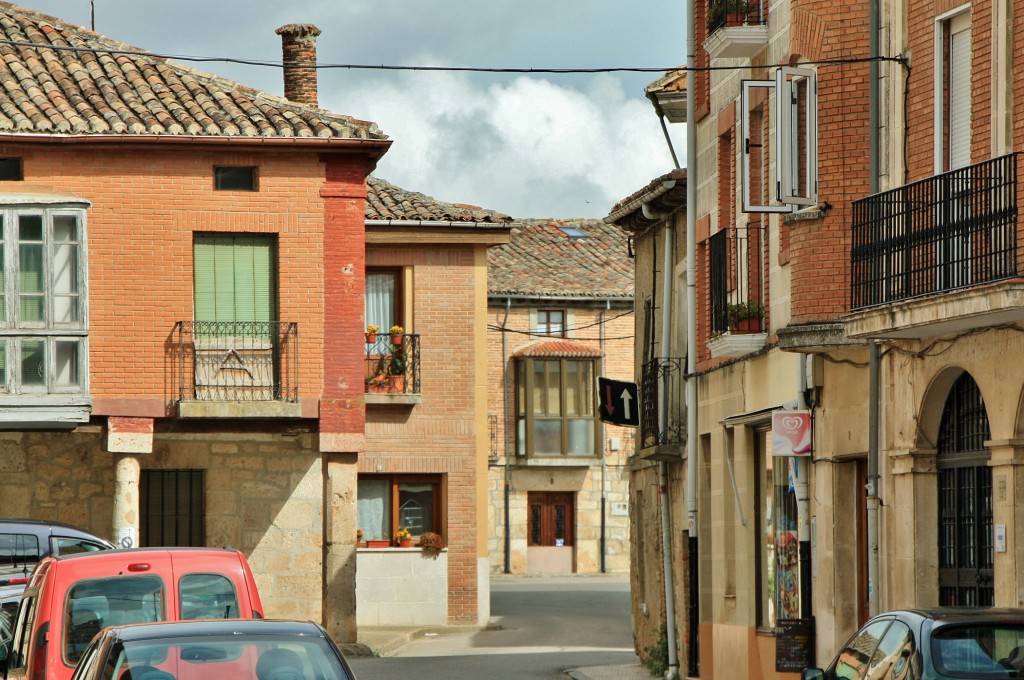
x=508, y=449
x=693, y=553
x=873, y=369
x=666, y=534
x=803, y=510
x=604, y=461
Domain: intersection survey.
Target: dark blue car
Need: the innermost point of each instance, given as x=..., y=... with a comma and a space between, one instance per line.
x=932, y=644
x=228, y=649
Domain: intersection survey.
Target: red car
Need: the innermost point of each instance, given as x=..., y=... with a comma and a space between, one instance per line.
x=70, y=598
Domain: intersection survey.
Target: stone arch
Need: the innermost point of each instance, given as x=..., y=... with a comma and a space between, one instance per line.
x=929, y=414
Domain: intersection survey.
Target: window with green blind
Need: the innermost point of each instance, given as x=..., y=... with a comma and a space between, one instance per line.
x=234, y=278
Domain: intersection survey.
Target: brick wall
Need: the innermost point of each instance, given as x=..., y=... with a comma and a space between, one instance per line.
x=439, y=435
x=146, y=205
x=618, y=363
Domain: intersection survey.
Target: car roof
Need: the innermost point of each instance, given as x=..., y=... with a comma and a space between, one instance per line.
x=119, y=553
x=149, y=631
x=943, y=615
x=10, y=524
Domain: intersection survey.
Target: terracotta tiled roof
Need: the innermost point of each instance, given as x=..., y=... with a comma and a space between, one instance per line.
x=87, y=84
x=563, y=349
x=543, y=261
x=385, y=201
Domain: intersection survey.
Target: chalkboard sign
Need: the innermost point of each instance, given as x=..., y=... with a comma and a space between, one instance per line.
x=794, y=645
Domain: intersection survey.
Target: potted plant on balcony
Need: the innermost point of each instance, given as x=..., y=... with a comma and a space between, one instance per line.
x=431, y=544
x=404, y=538
x=745, y=317
x=396, y=369
x=371, y=333
x=378, y=383
x=396, y=335
x=359, y=537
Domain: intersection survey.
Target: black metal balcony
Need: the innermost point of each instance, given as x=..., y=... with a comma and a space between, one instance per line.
x=733, y=13
x=944, y=233
x=392, y=363
x=237, y=361
x=662, y=411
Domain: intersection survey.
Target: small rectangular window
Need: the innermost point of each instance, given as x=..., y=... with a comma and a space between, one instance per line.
x=234, y=178
x=11, y=170
x=173, y=508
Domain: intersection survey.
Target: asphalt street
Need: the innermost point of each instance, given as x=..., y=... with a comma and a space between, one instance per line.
x=540, y=627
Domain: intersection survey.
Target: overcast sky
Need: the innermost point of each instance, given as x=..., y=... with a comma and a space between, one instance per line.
x=532, y=145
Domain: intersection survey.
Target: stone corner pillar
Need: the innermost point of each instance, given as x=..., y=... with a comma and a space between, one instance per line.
x=126, y=438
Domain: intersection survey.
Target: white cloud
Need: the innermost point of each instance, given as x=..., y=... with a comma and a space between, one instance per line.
x=525, y=146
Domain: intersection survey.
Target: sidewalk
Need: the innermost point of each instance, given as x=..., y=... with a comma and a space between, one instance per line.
x=387, y=640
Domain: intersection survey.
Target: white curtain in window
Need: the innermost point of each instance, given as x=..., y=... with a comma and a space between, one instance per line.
x=380, y=300
x=373, y=509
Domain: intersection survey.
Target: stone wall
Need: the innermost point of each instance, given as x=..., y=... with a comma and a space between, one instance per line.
x=263, y=496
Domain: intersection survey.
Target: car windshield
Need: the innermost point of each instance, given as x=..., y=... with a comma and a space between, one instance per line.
x=262, y=657
x=979, y=651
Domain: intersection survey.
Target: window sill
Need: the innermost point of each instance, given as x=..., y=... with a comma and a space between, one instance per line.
x=188, y=408
x=557, y=461
x=49, y=410
x=394, y=399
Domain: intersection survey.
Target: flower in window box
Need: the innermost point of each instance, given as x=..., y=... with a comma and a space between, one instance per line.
x=359, y=536
x=403, y=537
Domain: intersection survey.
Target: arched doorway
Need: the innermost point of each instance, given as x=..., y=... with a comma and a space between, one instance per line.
x=965, y=499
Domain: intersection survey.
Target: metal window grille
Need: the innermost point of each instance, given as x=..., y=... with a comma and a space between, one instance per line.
x=965, y=500
x=173, y=508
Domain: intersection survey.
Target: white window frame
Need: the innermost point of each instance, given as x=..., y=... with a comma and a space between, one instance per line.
x=14, y=332
x=946, y=25
x=795, y=185
x=790, y=114
x=747, y=88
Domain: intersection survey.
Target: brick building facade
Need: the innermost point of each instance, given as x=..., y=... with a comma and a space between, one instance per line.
x=560, y=301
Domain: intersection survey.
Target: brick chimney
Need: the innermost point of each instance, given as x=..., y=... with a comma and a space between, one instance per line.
x=298, y=49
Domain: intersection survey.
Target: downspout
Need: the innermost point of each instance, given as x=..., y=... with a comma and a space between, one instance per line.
x=508, y=449
x=604, y=454
x=666, y=534
x=693, y=666
x=803, y=510
x=874, y=406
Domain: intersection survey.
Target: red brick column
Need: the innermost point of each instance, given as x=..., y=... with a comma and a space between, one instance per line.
x=342, y=406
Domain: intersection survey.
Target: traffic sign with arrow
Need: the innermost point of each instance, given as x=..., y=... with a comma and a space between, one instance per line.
x=618, y=403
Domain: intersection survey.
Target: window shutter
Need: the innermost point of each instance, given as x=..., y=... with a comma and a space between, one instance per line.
x=234, y=278
x=960, y=93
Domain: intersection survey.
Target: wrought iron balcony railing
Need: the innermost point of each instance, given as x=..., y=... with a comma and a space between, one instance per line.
x=237, y=361
x=944, y=233
x=733, y=13
x=662, y=411
x=392, y=363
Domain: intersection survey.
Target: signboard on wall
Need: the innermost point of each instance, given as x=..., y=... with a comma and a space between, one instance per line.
x=791, y=433
x=794, y=645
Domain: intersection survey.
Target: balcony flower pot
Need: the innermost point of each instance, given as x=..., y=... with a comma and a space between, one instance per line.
x=371, y=338
x=396, y=383
x=744, y=326
x=405, y=543
x=396, y=339
x=378, y=543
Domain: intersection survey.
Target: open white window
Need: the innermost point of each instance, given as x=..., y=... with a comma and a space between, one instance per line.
x=795, y=128
x=797, y=135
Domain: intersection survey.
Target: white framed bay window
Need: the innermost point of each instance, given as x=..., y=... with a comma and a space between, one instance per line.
x=44, y=327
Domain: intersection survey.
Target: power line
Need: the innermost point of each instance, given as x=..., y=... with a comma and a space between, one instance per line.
x=455, y=69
